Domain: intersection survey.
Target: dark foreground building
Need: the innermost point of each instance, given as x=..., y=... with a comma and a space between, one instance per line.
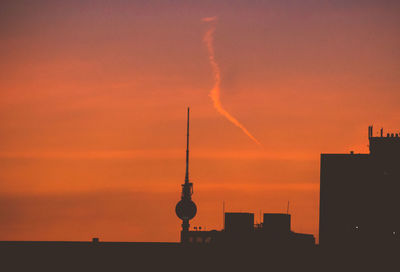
x=359, y=196
x=240, y=231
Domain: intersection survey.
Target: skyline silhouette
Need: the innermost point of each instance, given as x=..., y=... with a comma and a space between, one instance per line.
x=350, y=235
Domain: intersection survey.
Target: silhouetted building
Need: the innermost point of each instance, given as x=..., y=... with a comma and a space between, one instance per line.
x=359, y=195
x=240, y=231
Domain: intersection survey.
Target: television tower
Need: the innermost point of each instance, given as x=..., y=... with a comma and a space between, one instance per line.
x=186, y=209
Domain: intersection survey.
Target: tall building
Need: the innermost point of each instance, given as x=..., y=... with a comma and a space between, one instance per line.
x=359, y=195
x=186, y=209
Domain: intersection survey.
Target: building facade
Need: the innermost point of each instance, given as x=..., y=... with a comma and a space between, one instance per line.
x=359, y=195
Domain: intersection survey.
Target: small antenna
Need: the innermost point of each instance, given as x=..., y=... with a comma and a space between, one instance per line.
x=287, y=211
x=187, y=148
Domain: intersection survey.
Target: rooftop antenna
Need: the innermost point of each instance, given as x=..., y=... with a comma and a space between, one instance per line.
x=287, y=211
x=370, y=132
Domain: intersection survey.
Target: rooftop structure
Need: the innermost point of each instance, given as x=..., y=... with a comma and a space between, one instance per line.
x=240, y=231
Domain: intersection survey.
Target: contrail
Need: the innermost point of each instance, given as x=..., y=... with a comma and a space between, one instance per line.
x=215, y=92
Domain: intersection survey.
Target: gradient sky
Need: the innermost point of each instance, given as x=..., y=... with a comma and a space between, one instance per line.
x=93, y=98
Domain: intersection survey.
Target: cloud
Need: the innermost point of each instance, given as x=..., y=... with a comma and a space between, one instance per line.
x=209, y=19
x=215, y=91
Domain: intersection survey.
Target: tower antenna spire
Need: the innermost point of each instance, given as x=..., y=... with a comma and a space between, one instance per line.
x=187, y=148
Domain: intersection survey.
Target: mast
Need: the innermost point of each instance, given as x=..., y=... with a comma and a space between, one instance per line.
x=187, y=148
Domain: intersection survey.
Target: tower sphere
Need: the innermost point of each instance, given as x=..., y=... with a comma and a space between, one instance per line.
x=186, y=209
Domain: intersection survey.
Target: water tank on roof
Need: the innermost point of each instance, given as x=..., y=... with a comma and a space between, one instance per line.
x=239, y=222
x=276, y=222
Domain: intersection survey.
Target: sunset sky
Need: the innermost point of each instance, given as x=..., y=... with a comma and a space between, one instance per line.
x=93, y=98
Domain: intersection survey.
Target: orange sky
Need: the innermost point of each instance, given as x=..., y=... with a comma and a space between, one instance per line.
x=93, y=101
